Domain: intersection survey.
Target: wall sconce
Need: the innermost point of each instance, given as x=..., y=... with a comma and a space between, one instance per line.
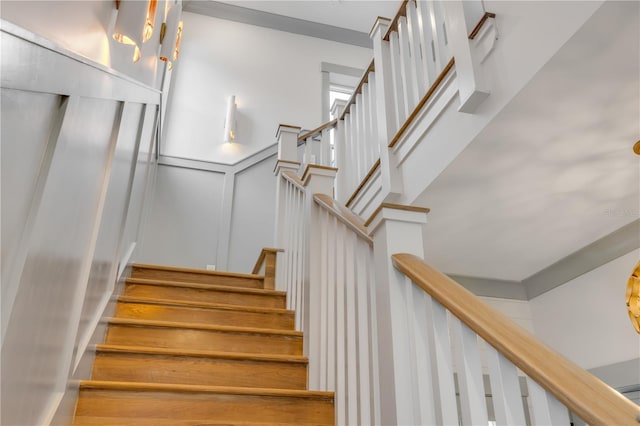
x=134, y=24
x=230, y=120
x=171, y=32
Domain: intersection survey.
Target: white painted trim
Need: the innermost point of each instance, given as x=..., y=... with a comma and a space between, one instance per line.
x=437, y=104
x=52, y=408
x=125, y=260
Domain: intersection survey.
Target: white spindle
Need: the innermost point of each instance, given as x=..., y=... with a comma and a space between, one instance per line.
x=545, y=408
x=441, y=363
x=357, y=140
x=348, y=144
x=473, y=406
x=422, y=372
x=440, y=35
x=366, y=137
x=351, y=346
x=331, y=304
x=408, y=71
x=373, y=125
x=340, y=370
x=401, y=110
x=505, y=389
x=288, y=239
x=415, y=41
x=362, y=250
x=324, y=284
x=429, y=57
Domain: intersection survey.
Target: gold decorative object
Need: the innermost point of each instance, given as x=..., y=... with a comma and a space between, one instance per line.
x=633, y=298
x=636, y=148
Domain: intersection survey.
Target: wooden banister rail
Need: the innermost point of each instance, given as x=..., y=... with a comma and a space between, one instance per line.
x=318, y=130
x=364, y=79
x=585, y=395
x=363, y=182
x=393, y=26
x=267, y=258
x=480, y=23
x=344, y=215
x=422, y=102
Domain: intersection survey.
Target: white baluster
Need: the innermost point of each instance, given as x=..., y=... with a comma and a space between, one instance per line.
x=473, y=404
x=546, y=409
x=444, y=391
x=357, y=141
x=373, y=143
x=340, y=146
x=366, y=131
x=422, y=374
x=331, y=304
x=505, y=389
x=321, y=380
x=288, y=239
x=362, y=251
x=415, y=42
x=401, y=110
x=441, y=35
x=375, y=370
x=340, y=370
x=351, y=347
x=408, y=71
x=429, y=39
x=349, y=153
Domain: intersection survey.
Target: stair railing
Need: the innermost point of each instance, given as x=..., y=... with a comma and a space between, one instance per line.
x=342, y=329
x=446, y=330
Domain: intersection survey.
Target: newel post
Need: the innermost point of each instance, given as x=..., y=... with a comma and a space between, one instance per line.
x=287, y=137
x=340, y=150
x=317, y=180
x=395, y=229
x=469, y=54
x=391, y=178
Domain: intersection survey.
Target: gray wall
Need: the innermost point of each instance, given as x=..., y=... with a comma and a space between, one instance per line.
x=210, y=214
x=182, y=226
x=70, y=135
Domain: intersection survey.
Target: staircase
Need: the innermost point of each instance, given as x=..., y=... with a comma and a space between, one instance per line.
x=198, y=347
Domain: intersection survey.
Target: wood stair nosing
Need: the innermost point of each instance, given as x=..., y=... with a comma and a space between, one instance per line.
x=201, y=286
x=206, y=327
x=227, y=390
x=204, y=305
x=153, y=365
x=203, y=312
x=111, y=401
x=146, y=266
x=298, y=359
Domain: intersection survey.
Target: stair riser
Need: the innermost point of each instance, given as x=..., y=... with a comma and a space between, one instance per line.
x=141, y=368
x=211, y=340
x=212, y=316
x=184, y=407
x=194, y=277
x=207, y=296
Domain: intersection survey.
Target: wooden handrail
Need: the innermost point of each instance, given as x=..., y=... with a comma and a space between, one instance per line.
x=364, y=79
x=305, y=174
x=364, y=181
x=320, y=129
x=422, y=102
x=585, y=395
x=480, y=23
x=344, y=215
x=267, y=258
x=393, y=26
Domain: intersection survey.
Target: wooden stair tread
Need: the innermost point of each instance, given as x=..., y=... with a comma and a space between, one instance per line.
x=202, y=305
x=197, y=271
x=202, y=354
x=200, y=286
x=226, y=390
x=199, y=326
x=135, y=421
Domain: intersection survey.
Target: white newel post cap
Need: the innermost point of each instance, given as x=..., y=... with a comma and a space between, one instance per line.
x=338, y=107
x=398, y=213
x=287, y=137
x=380, y=26
x=319, y=179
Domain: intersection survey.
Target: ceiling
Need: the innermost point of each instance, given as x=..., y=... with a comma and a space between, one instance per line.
x=555, y=170
x=343, y=21
x=357, y=15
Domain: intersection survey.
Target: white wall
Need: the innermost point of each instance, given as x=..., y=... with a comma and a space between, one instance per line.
x=182, y=223
x=253, y=215
x=586, y=319
x=85, y=28
x=275, y=76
